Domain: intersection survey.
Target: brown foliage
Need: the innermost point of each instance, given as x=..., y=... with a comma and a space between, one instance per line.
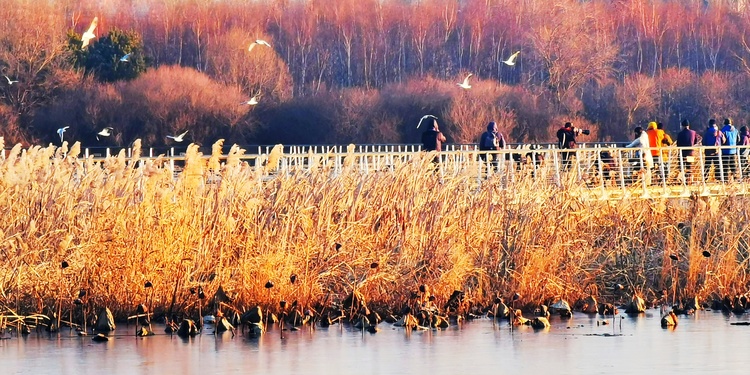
x=164, y=101
x=577, y=58
x=259, y=72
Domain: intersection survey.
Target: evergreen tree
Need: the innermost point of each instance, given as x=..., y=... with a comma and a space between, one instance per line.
x=104, y=58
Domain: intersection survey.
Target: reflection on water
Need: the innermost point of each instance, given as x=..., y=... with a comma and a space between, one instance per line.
x=702, y=343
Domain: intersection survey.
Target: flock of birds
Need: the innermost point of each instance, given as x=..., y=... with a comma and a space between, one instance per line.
x=106, y=132
x=89, y=35
x=510, y=61
x=86, y=39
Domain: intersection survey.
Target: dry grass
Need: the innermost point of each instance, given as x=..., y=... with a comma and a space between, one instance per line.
x=121, y=222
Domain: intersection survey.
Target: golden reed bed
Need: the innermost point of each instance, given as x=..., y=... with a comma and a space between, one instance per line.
x=118, y=225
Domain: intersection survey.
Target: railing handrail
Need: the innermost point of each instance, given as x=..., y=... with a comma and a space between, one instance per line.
x=603, y=166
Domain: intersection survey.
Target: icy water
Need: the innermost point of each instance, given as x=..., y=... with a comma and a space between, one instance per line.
x=700, y=344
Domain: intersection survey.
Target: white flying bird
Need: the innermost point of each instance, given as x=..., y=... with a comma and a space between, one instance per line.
x=61, y=131
x=423, y=118
x=465, y=84
x=125, y=58
x=178, y=138
x=89, y=34
x=512, y=59
x=252, y=101
x=106, y=132
x=256, y=42
x=10, y=82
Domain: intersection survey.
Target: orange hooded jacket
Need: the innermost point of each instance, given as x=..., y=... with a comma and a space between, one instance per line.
x=655, y=138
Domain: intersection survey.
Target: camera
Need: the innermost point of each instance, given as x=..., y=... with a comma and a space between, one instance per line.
x=585, y=131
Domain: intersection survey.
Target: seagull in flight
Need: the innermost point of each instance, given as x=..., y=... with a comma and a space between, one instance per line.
x=256, y=42
x=252, y=101
x=106, y=132
x=61, y=131
x=465, y=84
x=512, y=59
x=89, y=34
x=10, y=82
x=178, y=138
x=125, y=58
x=423, y=118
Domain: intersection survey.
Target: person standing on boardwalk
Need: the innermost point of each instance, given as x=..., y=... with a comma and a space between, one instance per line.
x=666, y=141
x=491, y=140
x=744, y=151
x=645, y=160
x=566, y=139
x=729, y=154
x=655, y=139
x=655, y=142
x=432, y=139
x=712, y=140
x=686, y=139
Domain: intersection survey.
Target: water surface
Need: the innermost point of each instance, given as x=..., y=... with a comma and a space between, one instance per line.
x=700, y=344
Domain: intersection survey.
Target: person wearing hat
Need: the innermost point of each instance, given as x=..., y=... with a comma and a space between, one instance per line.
x=686, y=139
x=491, y=140
x=655, y=141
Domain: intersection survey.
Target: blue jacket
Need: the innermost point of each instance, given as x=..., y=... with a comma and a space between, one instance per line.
x=731, y=134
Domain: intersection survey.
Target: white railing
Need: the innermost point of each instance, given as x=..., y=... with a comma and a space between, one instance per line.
x=602, y=171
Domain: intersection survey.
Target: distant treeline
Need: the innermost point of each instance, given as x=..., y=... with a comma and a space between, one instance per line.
x=365, y=71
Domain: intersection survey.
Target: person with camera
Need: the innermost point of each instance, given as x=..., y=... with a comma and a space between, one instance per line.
x=491, y=140
x=566, y=139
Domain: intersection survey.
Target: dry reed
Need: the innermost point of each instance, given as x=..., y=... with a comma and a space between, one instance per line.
x=119, y=223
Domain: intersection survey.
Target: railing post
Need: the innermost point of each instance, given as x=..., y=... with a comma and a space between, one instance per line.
x=622, y=172
x=601, y=172
x=704, y=173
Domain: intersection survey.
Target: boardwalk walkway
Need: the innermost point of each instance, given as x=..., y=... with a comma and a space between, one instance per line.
x=598, y=171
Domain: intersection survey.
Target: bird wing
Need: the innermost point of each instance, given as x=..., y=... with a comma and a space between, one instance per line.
x=466, y=80
x=422, y=119
x=512, y=59
x=263, y=42
x=89, y=34
x=250, y=48
x=183, y=134
x=93, y=26
x=6, y=77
